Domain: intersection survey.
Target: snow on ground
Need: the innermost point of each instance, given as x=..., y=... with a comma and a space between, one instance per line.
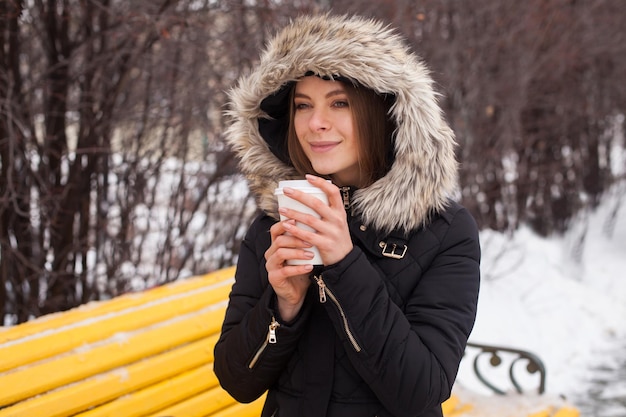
x=562, y=298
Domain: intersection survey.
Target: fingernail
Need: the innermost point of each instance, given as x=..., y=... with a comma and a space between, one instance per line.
x=287, y=190
x=308, y=267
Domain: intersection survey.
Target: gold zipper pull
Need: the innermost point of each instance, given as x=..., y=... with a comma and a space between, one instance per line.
x=345, y=191
x=322, y=287
x=271, y=337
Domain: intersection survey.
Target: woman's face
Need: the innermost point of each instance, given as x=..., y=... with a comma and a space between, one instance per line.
x=325, y=129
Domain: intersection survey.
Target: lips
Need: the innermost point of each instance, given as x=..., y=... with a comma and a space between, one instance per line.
x=322, y=147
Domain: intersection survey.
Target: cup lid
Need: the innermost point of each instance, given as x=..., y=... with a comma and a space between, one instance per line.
x=294, y=184
x=302, y=185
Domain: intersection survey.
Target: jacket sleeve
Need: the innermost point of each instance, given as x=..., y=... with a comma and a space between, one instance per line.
x=410, y=358
x=245, y=363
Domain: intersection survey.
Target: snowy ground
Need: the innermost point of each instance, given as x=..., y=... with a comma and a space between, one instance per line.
x=564, y=299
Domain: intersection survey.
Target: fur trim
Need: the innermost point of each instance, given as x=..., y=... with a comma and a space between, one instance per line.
x=423, y=176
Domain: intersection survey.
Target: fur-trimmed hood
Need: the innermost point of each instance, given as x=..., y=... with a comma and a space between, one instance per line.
x=423, y=176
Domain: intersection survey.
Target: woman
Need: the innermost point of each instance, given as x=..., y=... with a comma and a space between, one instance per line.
x=380, y=328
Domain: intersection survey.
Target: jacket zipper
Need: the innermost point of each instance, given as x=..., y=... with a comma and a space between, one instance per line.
x=270, y=339
x=345, y=192
x=324, y=291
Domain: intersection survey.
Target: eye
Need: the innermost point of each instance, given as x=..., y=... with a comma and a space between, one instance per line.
x=341, y=104
x=301, y=106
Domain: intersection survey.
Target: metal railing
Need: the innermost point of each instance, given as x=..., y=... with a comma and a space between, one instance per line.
x=499, y=357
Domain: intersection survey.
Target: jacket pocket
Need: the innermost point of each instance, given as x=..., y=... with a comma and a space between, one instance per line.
x=325, y=293
x=269, y=340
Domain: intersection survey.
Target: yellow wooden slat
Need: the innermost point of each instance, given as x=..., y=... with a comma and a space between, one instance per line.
x=241, y=410
x=120, y=350
x=211, y=401
x=449, y=405
x=113, y=384
x=567, y=412
x=99, y=308
x=461, y=410
x=542, y=413
x=159, y=396
x=453, y=407
x=50, y=343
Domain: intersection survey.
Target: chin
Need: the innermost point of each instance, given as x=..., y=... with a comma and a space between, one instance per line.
x=322, y=171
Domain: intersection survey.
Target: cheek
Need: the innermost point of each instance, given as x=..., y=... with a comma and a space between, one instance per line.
x=300, y=126
x=349, y=134
x=346, y=125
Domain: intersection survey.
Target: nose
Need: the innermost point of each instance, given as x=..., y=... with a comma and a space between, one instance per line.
x=319, y=120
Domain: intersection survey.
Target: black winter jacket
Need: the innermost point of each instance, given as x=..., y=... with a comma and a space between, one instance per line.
x=389, y=346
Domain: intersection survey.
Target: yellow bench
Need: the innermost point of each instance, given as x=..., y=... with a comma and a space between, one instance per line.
x=140, y=354
x=145, y=354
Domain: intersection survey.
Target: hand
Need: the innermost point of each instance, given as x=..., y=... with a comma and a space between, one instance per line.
x=332, y=235
x=290, y=282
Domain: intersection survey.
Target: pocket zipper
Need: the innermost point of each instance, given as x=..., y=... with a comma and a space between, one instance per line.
x=324, y=291
x=270, y=339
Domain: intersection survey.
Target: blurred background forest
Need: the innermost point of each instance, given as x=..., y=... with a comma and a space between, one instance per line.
x=113, y=171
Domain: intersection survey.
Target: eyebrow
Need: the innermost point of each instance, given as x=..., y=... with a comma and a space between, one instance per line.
x=329, y=94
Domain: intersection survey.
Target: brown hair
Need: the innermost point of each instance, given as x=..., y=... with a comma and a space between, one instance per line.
x=374, y=130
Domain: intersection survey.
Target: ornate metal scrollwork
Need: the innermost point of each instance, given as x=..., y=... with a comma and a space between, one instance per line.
x=514, y=357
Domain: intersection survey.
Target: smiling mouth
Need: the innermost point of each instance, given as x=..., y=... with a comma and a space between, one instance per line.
x=323, y=146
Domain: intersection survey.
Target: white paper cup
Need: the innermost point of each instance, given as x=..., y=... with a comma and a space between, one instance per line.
x=284, y=201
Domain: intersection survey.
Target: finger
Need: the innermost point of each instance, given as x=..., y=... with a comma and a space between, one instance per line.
x=330, y=189
x=296, y=270
x=280, y=256
x=276, y=275
x=284, y=255
x=302, y=233
x=330, y=219
x=281, y=238
x=277, y=229
x=291, y=241
x=296, y=217
x=309, y=200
